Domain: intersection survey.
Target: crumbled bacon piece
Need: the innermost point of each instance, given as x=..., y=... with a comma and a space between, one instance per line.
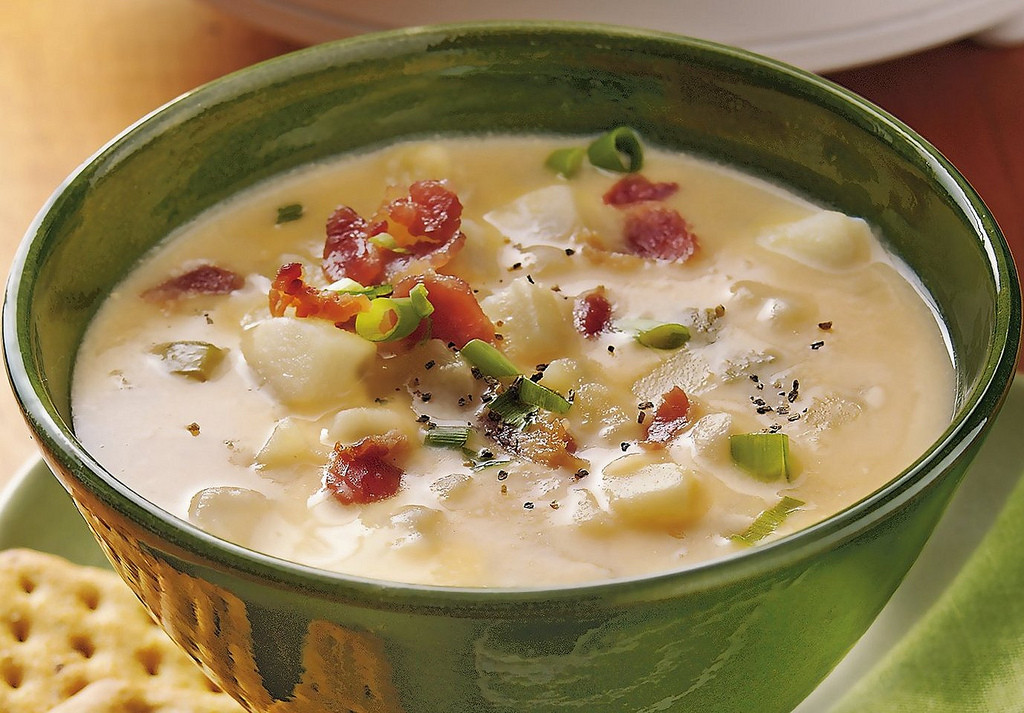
x=430, y=213
x=290, y=290
x=592, y=313
x=671, y=416
x=457, y=317
x=203, y=280
x=365, y=472
x=348, y=251
x=546, y=441
x=634, y=188
x=424, y=225
x=659, y=232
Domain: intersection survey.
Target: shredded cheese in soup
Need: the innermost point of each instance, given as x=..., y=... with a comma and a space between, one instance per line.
x=444, y=362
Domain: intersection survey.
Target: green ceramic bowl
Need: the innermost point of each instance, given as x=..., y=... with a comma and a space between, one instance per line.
x=752, y=633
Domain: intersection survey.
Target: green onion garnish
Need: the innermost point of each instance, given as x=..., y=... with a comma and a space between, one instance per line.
x=420, y=303
x=388, y=242
x=288, y=213
x=479, y=460
x=512, y=411
x=351, y=287
x=611, y=151
x=664, y=336
x=392, y=318
x=447, y=437
x=566, y=162
x=540, y=396
x=764, y=455
x=195, y=360
x=487, y=359
x=768, y=521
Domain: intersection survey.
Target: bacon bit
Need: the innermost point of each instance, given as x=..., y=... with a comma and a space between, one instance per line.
x=425, y=224
x=634, y=188
x=423, y=257
x=290, y=290
x=659, y=232
x=457, y=316
x=365, y=472
x=203, y=280
x=430, y=213
x=592, y=313
x=672, y=415
x=348, y=251
x=546, y=440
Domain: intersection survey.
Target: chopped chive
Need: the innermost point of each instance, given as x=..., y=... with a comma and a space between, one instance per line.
x=764, y=455
x=508, y=407
x=768, y=521
x=541, y=396
x=288, y=213
x=618, y=150
x=479, y=462
x=487, y=359
x=387, y=242
x=418, y=296
x=664, y=336
x=351, y=287
x=447, y=437
x=566, y=162
x=191, y=359
x=392, y=318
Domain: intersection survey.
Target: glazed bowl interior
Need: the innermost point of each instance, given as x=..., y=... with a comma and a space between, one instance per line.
x=757, y=115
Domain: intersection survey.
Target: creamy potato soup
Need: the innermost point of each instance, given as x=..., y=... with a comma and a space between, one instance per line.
x=449, y=362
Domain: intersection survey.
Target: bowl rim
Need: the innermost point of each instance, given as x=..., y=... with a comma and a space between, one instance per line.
x=971, y=419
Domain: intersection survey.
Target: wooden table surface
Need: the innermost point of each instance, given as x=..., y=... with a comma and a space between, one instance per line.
x=73, y=74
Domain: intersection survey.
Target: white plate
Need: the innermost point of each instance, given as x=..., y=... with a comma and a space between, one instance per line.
x=819, y=35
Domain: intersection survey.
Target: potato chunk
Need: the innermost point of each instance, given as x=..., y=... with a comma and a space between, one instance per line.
x=536, y=323
x=653, y=495
x=826, y=240
x=308, y=365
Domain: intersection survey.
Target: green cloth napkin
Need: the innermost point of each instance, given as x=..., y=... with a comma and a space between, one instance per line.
x=966, y=653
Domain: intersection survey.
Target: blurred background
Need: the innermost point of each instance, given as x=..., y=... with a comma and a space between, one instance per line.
x=74, y=74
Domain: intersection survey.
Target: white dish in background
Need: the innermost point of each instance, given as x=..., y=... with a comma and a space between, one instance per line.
x=818, y=35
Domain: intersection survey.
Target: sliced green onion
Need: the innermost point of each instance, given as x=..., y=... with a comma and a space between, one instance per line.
x=351, y=287
x=388, y=242
x=195, y=360
x=664, y=336
x=508, y=407
x=619, y=150
x=541, y=396
x=487, y=359
x=479, y=460
x=566, y=162
x=392, y=318
x=764, y=455
x=768, y=521
x=447, y=437
x=288, y=213
x=420, y=302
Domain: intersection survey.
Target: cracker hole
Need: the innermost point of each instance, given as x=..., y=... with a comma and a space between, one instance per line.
x=137, y=705
x=73, y=686
x=19, y=628
x=90, y=597
x=83, y=644
x=11, y=673
x=26, y=583
x=150, y=660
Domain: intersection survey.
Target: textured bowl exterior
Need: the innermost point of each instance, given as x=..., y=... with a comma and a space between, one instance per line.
x=752, y=633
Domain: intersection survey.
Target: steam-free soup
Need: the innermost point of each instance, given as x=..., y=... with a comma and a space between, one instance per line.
x=485, y=373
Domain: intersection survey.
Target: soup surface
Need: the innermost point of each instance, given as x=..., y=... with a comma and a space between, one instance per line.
x=606, y=375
